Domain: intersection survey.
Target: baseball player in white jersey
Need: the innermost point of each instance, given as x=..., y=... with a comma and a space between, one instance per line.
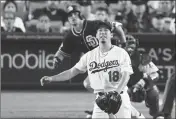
x=109, y=69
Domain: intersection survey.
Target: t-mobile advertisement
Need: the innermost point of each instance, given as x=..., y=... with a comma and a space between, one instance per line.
x=27, y=59
x=24, y=62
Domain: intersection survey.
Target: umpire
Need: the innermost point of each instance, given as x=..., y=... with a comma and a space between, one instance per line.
x=169, y=95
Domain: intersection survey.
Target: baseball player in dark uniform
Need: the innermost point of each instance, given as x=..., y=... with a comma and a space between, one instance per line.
x=82, y=35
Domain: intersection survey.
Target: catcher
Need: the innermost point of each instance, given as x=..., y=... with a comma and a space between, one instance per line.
x=108, y=75
x=142, y=84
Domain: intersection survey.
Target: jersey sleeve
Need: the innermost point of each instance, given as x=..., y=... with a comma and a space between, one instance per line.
x=67, y=46
x=126, y=63
x=82, y=64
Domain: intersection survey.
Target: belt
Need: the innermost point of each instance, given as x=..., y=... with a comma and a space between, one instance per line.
x=102, y=93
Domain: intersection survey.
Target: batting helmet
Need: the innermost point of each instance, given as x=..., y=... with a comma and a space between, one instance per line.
x=72, y=9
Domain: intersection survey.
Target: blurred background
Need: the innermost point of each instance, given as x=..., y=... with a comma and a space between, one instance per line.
x=139, y=16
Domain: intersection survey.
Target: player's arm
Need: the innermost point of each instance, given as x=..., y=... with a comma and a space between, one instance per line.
x=65, y=50
x=126, y=71
x=80, y=67
x=59, y=56
x=117, y=28
x=125, y=76
x=66, y=75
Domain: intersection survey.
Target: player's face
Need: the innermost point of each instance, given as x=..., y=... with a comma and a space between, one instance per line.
x=73, y=18
x=101, y=15
x=104, y=35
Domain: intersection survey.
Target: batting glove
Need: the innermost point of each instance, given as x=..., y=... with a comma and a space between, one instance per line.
x=56, y=62
x=45, y=80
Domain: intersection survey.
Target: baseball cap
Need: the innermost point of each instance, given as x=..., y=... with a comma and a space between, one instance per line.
x=104, y=25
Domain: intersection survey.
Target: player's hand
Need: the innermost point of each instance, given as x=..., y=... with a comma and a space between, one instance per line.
x=139, y=85
x=45, y=80
x=56, y=62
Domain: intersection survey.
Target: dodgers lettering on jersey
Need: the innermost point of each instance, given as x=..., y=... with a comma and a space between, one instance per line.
x=104, y=70
x=85, y=40
x=97, y=67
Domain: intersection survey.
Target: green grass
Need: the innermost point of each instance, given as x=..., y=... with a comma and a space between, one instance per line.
x=50, y=104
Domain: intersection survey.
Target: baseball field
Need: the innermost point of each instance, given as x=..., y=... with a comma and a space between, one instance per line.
x=51, y=104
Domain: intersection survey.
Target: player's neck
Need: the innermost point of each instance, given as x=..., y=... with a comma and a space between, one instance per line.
x=105, y=47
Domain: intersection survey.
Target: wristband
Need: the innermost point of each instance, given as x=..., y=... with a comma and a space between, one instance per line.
x=58, y=60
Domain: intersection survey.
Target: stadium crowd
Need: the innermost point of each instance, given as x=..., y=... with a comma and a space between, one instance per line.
x=139, y=16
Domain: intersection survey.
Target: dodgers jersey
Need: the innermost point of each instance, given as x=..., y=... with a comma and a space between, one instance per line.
x=104, y=69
